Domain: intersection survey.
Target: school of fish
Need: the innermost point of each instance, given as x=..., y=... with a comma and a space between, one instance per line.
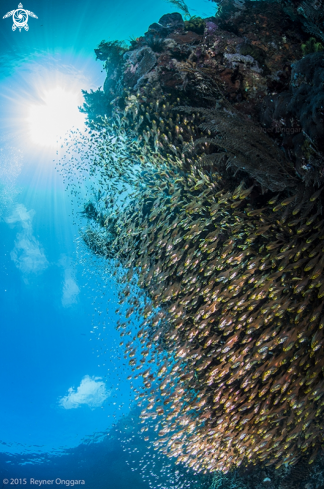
x=233, y=297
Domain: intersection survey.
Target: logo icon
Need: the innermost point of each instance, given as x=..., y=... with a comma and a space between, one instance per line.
x=20, y=18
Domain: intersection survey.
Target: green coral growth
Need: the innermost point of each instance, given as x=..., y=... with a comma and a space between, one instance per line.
x=195, y=24
x=311, y=46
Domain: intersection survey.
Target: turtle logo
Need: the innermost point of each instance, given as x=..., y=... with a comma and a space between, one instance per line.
x=20, y=18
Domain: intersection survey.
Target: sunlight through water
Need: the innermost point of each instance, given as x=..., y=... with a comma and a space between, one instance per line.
x=55, y=116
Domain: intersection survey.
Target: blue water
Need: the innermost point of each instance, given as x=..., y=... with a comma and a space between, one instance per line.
x=65, y=393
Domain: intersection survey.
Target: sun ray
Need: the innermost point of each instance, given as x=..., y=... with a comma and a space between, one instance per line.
x=57, y=114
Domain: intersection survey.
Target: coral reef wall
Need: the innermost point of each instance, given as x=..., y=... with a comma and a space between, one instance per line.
x=218, y=132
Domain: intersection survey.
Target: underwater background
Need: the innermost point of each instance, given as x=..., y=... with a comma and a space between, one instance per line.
x=162, y=244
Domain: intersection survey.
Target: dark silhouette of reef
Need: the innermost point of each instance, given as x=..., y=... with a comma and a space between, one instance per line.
x=225, y=234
